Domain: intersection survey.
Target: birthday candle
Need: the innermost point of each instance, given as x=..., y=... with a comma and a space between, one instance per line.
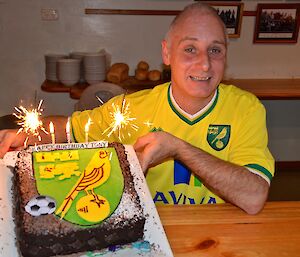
x=86, y=130
x=51, y=128
x=68, y=131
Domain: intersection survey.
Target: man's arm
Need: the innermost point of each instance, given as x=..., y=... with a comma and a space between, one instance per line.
x=231, y=182
x=10, y=139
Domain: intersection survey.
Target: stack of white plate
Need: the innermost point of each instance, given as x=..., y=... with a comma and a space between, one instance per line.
x=94, y=67
x=79, y=56
x=51, y=66
x=68, y=71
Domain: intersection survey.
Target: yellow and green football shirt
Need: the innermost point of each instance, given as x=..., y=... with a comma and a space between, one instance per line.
x=231, y=127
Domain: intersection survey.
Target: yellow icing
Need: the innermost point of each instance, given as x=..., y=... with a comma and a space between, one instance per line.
x=95, y=174
x=66, y=170
x=91, y=209
x=70, y=155
x=47, y=171
x=44, y=157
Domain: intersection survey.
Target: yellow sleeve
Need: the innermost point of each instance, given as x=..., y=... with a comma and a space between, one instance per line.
x=250, y=146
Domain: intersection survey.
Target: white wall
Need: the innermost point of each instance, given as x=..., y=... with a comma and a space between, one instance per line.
x=25, y=38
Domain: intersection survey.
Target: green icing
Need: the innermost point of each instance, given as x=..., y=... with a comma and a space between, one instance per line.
x=112, y=189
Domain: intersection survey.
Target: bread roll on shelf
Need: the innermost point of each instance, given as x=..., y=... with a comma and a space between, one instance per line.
x=142, y=65
x=117, y=73
x=141, y=74
x=154, y=75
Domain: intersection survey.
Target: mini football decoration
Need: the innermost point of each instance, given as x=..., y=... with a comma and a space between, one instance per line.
x=40, y=205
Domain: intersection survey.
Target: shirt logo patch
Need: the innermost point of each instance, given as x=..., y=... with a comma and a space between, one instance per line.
x=218, y=136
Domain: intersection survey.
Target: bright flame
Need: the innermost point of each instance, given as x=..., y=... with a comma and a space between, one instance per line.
x=29, y=120
x=68, y=131
x=51, y=127
x=86, y=129
x=120, y=119
x=87, y=126
x=68, y=127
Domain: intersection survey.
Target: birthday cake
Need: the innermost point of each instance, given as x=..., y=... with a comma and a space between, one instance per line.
x=73, y=198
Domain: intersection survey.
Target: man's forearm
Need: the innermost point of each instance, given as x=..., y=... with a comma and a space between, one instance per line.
x=231, y=182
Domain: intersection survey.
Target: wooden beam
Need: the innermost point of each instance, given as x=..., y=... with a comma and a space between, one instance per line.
x=131, y=12
x=144, y=12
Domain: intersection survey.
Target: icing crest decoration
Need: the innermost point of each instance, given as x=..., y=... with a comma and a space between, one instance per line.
x=87, y=184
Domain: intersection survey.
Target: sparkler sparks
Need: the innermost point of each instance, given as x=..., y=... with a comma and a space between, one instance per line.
x=29, y=120
x=148, y=123
x=121, y=118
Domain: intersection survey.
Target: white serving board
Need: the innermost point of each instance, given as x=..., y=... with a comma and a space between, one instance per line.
x=153, y=233
x=7, y=226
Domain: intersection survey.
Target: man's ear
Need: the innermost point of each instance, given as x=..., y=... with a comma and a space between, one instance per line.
x=165, y=52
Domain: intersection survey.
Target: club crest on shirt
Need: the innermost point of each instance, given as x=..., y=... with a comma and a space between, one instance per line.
x=218, y=136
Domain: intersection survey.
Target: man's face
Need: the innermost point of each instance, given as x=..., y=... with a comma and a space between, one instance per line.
x=197, y=55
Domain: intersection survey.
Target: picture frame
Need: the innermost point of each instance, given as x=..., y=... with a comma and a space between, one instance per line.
x=277, y=23
x=231, y=13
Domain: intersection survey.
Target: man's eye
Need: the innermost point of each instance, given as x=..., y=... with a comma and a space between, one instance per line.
x=215, y=51
x=189, y=49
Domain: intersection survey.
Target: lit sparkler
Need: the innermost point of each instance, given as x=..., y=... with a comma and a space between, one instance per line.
x=100, y=100
x=121, y=118
x=148, y=123
x=29, y=120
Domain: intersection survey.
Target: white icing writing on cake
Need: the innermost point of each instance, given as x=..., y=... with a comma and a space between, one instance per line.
x=51, y=147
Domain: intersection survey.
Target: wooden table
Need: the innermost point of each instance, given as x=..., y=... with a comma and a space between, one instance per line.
x=270, y=89
x=226, y=231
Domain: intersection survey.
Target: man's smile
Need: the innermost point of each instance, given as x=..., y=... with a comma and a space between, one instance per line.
x=198, y=78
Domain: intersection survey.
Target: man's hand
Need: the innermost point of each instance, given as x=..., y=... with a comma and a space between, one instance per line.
x=10, y=139
x=155, y=147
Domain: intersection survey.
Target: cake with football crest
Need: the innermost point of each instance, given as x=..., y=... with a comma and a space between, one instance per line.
x=74, y=198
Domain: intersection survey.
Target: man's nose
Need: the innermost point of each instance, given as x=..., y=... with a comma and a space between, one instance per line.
x=203, y=61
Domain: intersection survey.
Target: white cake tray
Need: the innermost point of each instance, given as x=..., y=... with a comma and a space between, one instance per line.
x=153, y=232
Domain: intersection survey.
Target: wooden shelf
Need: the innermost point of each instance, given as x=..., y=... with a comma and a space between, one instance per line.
x=131, y=85
x=265, y=89
x=55, y=87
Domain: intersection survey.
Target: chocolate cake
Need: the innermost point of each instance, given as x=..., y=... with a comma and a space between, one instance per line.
x=58, y=234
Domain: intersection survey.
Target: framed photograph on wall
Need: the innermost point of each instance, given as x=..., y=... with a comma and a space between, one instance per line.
x=277, y=23
x=231, y=14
